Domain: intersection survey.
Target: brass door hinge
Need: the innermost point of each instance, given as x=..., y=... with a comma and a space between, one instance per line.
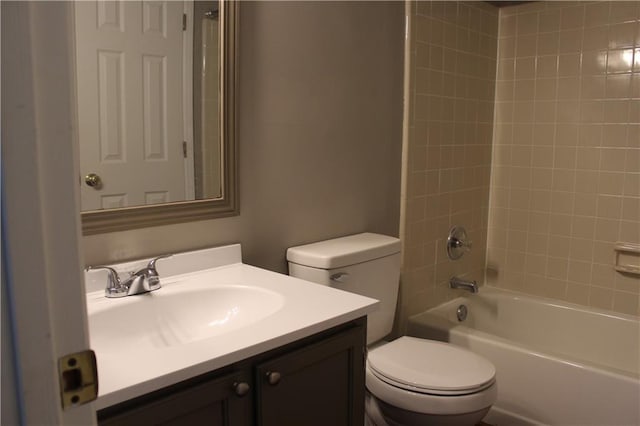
x=78, y=378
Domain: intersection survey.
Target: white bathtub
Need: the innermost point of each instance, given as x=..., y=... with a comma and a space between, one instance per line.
x=556, y=363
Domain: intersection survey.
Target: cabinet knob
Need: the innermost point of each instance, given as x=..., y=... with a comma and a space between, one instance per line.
x=273, y=377
x=241, y=388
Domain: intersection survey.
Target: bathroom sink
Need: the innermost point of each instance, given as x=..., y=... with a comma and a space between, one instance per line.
x=178, y=314
x=211, y=311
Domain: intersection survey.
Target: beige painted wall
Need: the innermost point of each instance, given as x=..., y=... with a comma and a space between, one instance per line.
x=452, y=63
x=566, y=166
x=320, y=134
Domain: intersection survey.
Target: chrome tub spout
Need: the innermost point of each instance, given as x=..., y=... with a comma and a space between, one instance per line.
x=471, y=286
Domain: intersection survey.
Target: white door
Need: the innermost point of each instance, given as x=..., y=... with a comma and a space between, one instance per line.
x=42, y=260
x=130, y=102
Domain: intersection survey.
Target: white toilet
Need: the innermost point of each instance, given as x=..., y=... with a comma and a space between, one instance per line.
x=409, y=381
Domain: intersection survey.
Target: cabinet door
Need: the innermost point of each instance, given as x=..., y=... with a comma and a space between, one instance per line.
x=213, y=403
x=321, y=384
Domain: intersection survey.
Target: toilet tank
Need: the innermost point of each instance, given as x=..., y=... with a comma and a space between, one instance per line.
x=366, y=264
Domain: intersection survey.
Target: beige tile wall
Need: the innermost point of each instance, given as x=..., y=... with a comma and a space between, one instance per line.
x=566, y=160
x=452, y=65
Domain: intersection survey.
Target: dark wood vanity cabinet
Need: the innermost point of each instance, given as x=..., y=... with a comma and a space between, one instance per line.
x=319, y=384
x=318, y=380
x=213, y=403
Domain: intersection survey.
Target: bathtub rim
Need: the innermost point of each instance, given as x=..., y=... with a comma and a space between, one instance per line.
x=519, y=346
x=548, y=301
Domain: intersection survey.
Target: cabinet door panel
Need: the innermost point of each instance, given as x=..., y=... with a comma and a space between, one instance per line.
x=213, y=403
x=321, y=384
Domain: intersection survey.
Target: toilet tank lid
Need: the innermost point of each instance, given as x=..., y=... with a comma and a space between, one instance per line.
x=344, y=251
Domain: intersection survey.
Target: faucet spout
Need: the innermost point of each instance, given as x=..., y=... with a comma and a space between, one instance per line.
x=141, y=282
x=144, y=280
x=471, y=286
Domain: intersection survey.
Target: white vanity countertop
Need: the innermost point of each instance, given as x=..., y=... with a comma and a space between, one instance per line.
x=130, y=366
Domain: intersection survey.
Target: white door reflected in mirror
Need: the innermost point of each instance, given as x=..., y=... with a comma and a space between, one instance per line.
x=141, y=130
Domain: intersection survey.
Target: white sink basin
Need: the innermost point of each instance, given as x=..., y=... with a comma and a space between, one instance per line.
x=178, y=315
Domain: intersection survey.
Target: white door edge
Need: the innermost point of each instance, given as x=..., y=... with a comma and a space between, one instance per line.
x=187, y=101
x=42, y=204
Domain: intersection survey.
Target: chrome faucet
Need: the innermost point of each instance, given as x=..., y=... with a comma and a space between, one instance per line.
x=471, y=286
x=138, y=282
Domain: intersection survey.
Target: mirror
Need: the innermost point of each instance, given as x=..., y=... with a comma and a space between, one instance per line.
x=156, y=84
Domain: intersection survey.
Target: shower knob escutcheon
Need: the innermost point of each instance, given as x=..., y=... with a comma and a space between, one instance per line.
x=458, y=243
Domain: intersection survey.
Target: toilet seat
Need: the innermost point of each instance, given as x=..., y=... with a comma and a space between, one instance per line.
x=425, y=376
x=427, y=403
x=430, y=367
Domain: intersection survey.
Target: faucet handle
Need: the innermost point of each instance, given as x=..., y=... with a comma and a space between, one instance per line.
x=151, y=266
x=152, y=277
x=458, y=243
x=114, y=285
x=464, y=244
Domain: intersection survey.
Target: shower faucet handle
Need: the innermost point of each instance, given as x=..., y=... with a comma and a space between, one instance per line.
x=462, y=244
x=458, y=243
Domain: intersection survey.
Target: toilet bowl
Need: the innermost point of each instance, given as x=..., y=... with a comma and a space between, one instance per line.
x=409, y=381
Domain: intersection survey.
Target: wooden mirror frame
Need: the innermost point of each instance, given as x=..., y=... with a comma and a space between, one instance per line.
x=101, y=221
